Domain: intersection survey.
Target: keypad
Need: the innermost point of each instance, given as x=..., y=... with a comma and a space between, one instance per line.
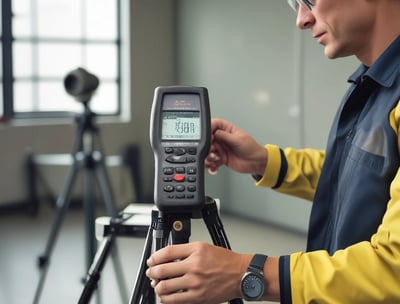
x=180, y=173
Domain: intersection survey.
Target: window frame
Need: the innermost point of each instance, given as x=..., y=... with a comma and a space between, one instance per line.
x=8, y=79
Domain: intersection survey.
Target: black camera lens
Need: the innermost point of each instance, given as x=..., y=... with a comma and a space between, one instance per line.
x=81, y=84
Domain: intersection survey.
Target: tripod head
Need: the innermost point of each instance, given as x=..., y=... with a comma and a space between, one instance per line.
x=81, y=84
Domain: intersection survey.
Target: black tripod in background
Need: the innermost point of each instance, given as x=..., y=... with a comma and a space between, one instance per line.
x=88, y=156
x=178, y=226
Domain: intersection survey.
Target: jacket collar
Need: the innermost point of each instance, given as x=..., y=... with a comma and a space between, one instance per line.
x=385, y=70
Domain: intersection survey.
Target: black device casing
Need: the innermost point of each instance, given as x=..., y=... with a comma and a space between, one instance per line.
x=180, y=196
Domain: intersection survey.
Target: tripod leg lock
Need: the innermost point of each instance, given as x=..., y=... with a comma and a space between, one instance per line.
x=43, y=261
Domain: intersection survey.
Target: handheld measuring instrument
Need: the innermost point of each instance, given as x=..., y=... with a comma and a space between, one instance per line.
x=180, y=132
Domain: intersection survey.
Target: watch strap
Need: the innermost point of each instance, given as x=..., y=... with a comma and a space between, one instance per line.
x=257, y=263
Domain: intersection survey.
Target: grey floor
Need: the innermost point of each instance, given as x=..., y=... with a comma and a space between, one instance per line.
x=23, y=239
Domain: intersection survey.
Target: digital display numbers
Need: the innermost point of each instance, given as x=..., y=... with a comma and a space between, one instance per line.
x=180, y=125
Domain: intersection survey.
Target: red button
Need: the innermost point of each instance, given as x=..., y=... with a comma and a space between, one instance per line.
x=179, y=178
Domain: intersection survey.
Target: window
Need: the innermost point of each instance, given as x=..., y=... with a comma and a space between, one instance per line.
x=43, y=40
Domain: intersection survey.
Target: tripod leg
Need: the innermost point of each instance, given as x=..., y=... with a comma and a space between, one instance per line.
x=142, y=291
x=61, y=207
x=214, y=224
x=90, y=214
x=216, y=230
x=105, y=188
x=95, y=269
x=161, y=232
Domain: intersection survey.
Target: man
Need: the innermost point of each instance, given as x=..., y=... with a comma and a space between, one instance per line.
x=353, y=250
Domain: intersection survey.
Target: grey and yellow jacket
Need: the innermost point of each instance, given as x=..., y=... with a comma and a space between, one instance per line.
x=353, y=249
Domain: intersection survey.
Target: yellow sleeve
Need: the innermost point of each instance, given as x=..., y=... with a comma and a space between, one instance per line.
x=302, y=174
x=367, y=272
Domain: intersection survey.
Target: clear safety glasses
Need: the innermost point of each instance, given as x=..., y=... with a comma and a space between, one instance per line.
x=295, y=4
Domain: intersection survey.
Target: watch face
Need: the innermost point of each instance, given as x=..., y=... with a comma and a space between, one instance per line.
x=252, y=286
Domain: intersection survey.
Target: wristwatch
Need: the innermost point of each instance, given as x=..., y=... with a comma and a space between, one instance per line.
x=252, y=283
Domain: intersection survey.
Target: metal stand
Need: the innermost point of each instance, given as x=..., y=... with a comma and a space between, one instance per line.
x=134, y=221
x=87, y=155
x=178, y=226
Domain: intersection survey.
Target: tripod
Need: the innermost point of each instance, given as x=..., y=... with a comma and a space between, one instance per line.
x=87, y=155
x=133, y=221
x=178, y=226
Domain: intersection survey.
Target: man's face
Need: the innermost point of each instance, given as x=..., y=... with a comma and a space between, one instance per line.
x=343, y=27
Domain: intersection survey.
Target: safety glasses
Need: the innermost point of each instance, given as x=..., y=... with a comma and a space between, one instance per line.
x=295, y=4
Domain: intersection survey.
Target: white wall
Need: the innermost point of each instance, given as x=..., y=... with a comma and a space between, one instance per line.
x=262, y=73
x=268, y=78
x=151, y=64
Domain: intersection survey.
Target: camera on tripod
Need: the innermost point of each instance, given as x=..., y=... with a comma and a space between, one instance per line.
x=81, y=84
x=87, y=156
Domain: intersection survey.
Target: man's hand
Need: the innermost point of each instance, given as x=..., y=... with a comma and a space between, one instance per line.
x=234, y=148
x=196, y=273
